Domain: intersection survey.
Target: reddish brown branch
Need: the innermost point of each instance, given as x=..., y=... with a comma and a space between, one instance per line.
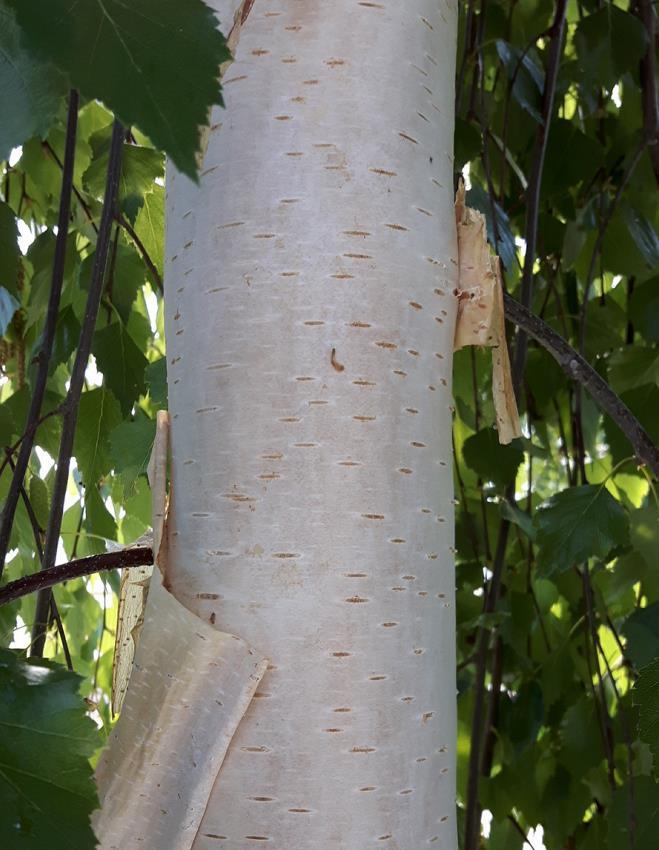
x=139, y=556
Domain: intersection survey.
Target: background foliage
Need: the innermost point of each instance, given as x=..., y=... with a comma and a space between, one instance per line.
x=556, y=535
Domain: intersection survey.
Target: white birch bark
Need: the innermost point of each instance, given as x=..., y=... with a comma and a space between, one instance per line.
x=310, y=318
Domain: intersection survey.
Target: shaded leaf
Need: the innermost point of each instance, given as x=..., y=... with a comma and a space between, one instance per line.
x=30, y=90
x=122, y=364
x=526, y=75
x=131, y=444
x=156, y=379
x=139, y=169
x=98, y=415
x=150, y=225
x=500, y=237
x=489, y=459
x=152, y=62
x=642, y=633
x=609, y=42
x=646, y=697
x=47, y=791
x=577, y=524
x=9, y=251
x=644, y=309
x=644, y=822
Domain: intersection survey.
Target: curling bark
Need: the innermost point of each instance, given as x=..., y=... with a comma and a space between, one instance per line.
x=310, y=320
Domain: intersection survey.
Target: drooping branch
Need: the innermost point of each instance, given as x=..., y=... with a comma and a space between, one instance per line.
x=44, y=355
x=580, y=370
x=71, y=404
x=139, y=556
x=535, y=180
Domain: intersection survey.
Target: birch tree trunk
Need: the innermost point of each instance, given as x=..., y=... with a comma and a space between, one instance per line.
x=310, y=322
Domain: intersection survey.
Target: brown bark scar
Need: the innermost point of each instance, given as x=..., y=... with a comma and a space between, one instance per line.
x=335, y=363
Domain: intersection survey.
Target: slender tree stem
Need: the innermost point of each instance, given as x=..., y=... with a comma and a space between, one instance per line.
x=535, y=181
x=645, y=11
x=70, y=406
x=578, y=368
x=45, y=353
x=37, y=532
x=478, y=732
x=138, y=556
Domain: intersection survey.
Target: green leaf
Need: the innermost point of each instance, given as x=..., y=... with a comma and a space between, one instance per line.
x=644, y=309
x=490, y=460
x=8, y=307
x=521, y=519
x=632, y=367
x=139, y=169
x=500, y=238
x=643, y=234
x=609, y=42
x=526, y=75
x=122, y=364
x=30, y=90
x=156, y=379
x=39, y=500
x=9, y=251
x=467, y=142
x=577, y=524
x=645, y=531
x=642, y=633
x=131, y=444
x=152, y=62
x=99, y=522
x=150, y=226
x=646, y=697
x=98, y=415
x=47, y=791
x=645, y=819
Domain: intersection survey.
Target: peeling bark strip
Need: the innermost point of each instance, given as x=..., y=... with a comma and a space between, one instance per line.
x=310, y=332
x=480, y=311
x=135, y=581
x=190, y=688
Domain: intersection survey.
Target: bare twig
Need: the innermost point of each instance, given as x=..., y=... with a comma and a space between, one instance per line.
x=645, y=11
x=45, y=353
x=578, y=368
x=70, y=406
x=138, y=556
x=535, y=181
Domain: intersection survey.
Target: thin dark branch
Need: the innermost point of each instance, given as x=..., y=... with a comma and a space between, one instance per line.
x=46, y=351
x=125, y=224
x=83, y=203
x=37, y=533
x=72, y=401
x=535, y=181
x=139, y=556
x=645, y=11
x=478, y=732
x=579, y=370
x=607, y=726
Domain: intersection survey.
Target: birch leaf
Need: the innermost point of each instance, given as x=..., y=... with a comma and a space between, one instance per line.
x=47, y=792
x=155, y=63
